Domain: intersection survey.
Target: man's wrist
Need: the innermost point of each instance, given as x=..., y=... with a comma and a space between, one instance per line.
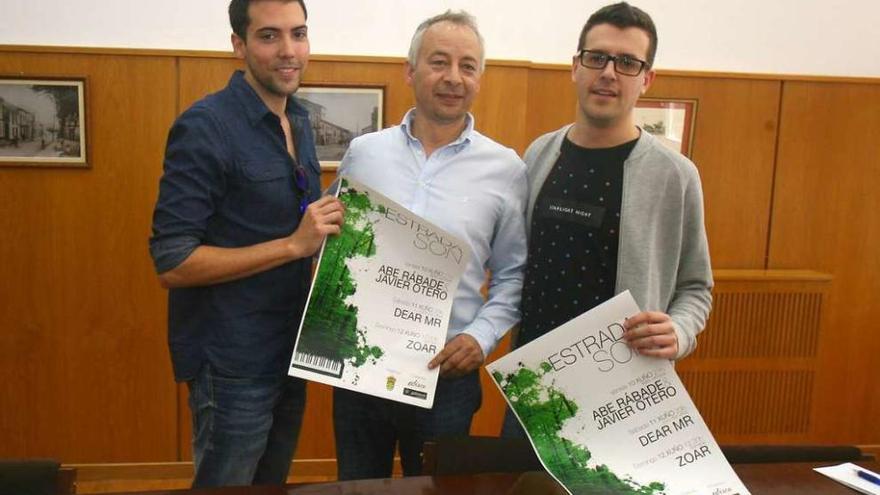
x=482, y=342
x=293, y=249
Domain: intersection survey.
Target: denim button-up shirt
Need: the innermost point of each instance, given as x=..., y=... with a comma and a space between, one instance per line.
x=229, y=182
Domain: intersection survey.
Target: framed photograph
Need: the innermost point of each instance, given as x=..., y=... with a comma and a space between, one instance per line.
x=43, y=122
x=339, y=114
x=672, y=121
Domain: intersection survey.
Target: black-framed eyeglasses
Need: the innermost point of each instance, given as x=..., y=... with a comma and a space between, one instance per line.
x=623, y=64
x=302, y=185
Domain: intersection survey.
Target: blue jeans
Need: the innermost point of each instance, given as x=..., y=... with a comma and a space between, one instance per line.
x=367, y=427
x=244, y=429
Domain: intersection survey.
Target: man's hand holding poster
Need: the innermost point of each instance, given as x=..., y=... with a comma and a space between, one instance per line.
x=604, y=419
x=380, y=304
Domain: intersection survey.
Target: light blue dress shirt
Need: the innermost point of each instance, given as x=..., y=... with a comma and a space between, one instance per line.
x=474, y=188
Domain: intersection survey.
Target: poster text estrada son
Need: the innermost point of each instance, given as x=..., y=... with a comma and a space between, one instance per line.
x=606, y=348
x=427, y=238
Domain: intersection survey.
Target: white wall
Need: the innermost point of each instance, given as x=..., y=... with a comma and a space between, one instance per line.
x=811, y=37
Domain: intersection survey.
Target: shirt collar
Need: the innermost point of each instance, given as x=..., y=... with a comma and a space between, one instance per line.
x=254, y=108
x=461, y=140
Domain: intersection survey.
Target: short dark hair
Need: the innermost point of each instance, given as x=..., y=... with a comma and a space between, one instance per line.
x=239, y=19
x=623, y=15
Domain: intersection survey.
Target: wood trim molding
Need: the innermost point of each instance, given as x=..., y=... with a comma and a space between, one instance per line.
x=873, y=450
x=88, y=473
x=731, y=75
x=97, y=50
x=770, y=275
x=153, y=52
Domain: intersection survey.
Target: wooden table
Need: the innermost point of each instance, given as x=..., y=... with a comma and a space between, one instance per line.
x=761, y=479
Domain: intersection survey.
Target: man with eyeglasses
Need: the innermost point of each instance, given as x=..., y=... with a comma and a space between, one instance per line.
x=611, y=208
x=235, y=226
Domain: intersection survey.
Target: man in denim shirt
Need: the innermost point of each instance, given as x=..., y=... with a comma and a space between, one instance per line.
x=237, y=221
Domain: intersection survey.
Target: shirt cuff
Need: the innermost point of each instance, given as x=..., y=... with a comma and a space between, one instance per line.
x=168, y=253
x=485, y=336
x=684, y=343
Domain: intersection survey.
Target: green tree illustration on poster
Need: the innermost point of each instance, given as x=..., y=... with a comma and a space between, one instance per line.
x=330, y=327
x=543, y=409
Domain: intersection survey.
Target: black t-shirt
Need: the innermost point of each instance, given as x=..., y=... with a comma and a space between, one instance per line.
x=572, y=264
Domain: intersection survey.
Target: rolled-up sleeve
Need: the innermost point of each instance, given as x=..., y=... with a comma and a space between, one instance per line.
x=192, y=181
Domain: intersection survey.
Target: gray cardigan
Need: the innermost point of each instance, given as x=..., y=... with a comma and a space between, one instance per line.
x=663, y=256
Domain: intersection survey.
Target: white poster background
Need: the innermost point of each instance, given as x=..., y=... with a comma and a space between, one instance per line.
x=643, y=443
x=409, y=326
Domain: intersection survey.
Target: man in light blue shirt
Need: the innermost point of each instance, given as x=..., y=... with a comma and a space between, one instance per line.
x=436, y=164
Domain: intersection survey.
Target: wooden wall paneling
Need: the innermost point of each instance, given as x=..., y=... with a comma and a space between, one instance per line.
x=825, y=216
x=83, y=341
x=551, y=100
x=82, y=347
x=199, y=77
x=754, y=371
x=734, y=150
x=500, y=108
